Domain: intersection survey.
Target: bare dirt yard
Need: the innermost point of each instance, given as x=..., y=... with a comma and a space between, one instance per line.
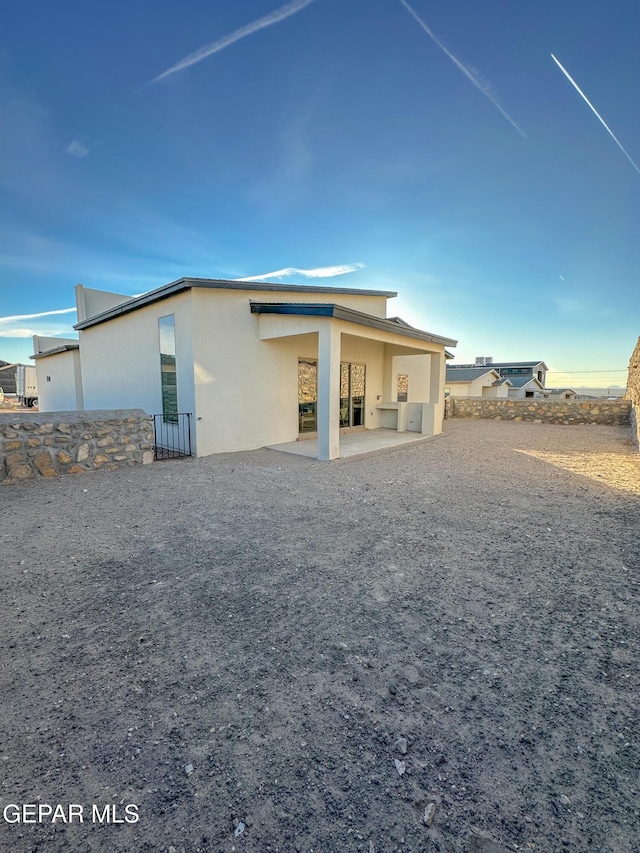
x=259, y=652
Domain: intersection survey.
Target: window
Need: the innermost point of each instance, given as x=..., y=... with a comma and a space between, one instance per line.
x=352, y=388
x=403, y=387
x=515, y=371
x=168, y=374
x=528, y=393
x=307, y=394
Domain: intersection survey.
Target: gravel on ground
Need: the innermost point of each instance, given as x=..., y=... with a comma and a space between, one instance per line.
x=433, y=648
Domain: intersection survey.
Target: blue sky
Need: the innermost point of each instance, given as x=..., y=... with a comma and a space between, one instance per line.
x=431, y=148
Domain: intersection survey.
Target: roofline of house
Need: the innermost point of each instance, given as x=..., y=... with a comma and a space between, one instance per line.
x=479, y=375
x=339, y=312
x=182, y=284
x=56, y=350
x=504, y=364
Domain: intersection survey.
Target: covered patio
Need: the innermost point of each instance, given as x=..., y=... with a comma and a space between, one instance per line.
x=354, y=443
x=405, y=370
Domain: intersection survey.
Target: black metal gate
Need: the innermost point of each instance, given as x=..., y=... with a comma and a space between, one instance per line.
x=171, y=436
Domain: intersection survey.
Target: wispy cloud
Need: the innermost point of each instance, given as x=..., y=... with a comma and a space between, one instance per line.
x=594, y=110
x=318, y=272
x=33, y=316
x=76, y=148
x=481, y=85
x=13, y=325
x=216, y=46
x=19, y=333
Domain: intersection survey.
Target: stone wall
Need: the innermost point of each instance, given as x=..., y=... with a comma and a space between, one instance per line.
x=47, y=444
x=614, y=412
x=633, y=392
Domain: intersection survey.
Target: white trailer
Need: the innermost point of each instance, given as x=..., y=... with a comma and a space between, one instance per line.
x=26, y=387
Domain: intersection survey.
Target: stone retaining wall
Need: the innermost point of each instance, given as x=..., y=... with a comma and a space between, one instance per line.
x=614, y=412
x=633, y=392
x=47, y=444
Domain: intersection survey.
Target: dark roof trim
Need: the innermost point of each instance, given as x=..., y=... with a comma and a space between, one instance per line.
x=56, y=350
x=502, y=364
x=339, y=312
x=183, y=284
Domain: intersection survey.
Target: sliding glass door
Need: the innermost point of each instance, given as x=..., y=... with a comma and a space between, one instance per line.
x=307, y=395
x=352, y=388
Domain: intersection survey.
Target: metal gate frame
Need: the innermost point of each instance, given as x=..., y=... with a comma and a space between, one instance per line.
x=172, y=436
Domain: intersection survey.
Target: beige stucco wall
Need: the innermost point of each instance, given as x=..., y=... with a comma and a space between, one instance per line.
x=121, y=358
x=90, y=302
x=499, y=392
x=249, y=397
x=59, y=379
x=458, y=389
x=417, y=368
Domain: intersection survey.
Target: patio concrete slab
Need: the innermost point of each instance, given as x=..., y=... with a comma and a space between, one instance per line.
x=354, y=443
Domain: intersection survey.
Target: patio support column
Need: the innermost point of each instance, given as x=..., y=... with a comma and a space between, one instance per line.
x=328, y=392
x=436, y=390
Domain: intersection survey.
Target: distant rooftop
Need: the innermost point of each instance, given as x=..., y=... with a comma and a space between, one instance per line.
x=503, y=364
x=467, y=373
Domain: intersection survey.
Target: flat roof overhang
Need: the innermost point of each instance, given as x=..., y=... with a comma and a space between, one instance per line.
x=56, y=350
x=339, y=312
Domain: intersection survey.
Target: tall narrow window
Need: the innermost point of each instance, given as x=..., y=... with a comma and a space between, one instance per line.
x=168, y=377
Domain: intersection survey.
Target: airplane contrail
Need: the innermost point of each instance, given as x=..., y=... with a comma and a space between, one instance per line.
x=599, y=117
x=467, y=73
x=209, y=49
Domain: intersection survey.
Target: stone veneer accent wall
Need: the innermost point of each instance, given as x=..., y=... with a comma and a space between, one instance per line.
x=47, y=444
x=613, y=412
x=633, y=392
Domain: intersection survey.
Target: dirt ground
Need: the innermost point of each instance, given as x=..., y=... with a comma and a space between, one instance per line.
x=244, y=646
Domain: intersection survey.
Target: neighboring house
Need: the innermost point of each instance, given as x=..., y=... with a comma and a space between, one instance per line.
x=560, y=394
x=527, y=378
x=8, y=377
x=254, y=364
x=525, y=386
x=58, y=374
x=465, y=381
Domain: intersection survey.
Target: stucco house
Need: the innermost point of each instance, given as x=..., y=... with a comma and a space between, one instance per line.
x=59, y=378
x=560, y=394
x=526, y=378
x=463, y=381
x=252, y=364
